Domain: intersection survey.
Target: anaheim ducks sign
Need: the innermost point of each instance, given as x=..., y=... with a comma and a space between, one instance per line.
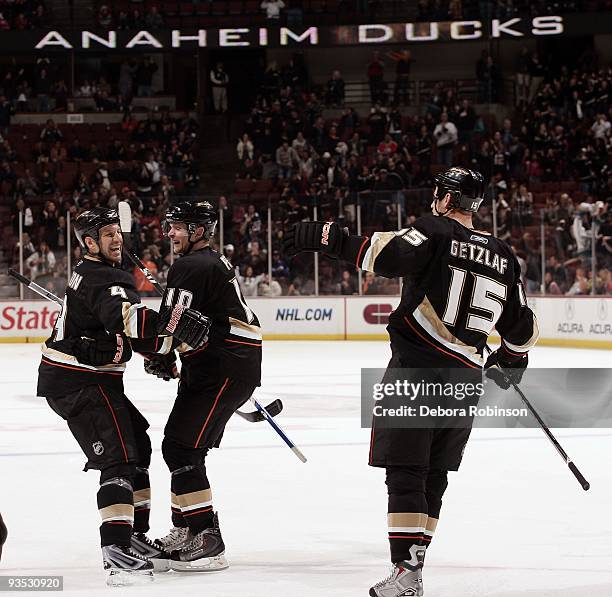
x=345, y=35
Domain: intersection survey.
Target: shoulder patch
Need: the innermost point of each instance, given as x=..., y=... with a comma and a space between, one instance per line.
x=414, y=237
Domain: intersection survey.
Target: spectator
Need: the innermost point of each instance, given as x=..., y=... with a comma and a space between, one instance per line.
x=286, y=158
x=523, y=78
x=376, y=78
x=144, y=77
x=41, y=262
x=488, y=77
x=347, y=284
x=335, y=90
x=105, y=17
x=403, y=61
x=245, y=148
x=273, y=8
x=220, y=80
x=269, y=287
x=43, y=90
x=446, y=137
x=154, y=20
x=601, y=127
x=143, y=286
x=387, y=147
x=249, y=282
x=537, y=71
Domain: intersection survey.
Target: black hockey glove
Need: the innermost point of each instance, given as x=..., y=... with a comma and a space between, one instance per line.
x=110, y=349
x=161, y=365
x=322, y=237
x=505, y=369
x=186, y=325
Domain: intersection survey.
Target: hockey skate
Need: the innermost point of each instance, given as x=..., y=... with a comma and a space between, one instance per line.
x=125, y=567
x=152, y=550
x=3, y=534
x=175, y=539
x=402, y=582
x=203, y=552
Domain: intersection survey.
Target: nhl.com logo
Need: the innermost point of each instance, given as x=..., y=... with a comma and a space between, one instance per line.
x=98, y=448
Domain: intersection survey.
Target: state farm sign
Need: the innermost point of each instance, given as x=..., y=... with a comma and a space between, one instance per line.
x=28, y=318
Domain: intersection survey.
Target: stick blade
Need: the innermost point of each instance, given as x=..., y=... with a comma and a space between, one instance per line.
x=125, y=216
x=274, y=408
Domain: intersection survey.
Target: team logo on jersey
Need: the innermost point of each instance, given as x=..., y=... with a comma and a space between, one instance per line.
x=98, y=448
x=480, y=239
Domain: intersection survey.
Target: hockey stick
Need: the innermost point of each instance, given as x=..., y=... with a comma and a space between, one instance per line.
x=572, y=467
x=273, y=409
x=35, y=287
x=125, y=221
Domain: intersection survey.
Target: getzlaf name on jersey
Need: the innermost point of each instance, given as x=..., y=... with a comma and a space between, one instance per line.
x=458, y=284
x=205, y=280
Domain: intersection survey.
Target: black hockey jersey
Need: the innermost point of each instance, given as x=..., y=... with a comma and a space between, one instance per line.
x=205, y=280
x=458, y=284
x=99, y=299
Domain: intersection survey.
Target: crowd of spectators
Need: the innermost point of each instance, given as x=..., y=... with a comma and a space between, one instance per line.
x=562, y=134
x=42, y=87
x=147, y=162
x=22, y=15
x=452, y=10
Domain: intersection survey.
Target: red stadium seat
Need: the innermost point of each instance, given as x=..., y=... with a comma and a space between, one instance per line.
x=244, y=186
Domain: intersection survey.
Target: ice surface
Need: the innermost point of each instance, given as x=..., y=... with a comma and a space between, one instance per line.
x=514, y=520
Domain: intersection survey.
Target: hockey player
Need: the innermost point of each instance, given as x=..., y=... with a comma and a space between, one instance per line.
x=81, y=376
x=458, y=284
x=215, y=381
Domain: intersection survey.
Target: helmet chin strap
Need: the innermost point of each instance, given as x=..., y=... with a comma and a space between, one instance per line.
x=439, y=213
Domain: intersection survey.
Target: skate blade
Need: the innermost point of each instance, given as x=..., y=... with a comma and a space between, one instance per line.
x=160, y=564
x=128, y=578
x=201, y=565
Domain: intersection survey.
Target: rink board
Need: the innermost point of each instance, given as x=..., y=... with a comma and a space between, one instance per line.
x=581, y=322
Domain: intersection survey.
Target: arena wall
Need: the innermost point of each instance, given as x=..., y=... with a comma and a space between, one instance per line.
x=584, y=322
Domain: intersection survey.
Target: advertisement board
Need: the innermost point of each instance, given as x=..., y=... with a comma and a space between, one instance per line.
x=563, y=321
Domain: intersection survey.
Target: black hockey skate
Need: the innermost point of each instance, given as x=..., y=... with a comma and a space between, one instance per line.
x=175, y=539
x=125, y=567
x=152, y=550
x=3, y=535
x=203, y=552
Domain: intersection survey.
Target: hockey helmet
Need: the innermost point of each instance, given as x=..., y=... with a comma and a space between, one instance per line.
x=466, y=188
x=199, y=213
x=89, y=223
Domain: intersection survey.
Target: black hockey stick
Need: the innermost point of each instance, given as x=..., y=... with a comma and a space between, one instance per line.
x=274, y=408
x=35, y=287
x=262, y=413
x=553, y=440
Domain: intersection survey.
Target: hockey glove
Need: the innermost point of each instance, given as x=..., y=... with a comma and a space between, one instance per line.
x=161, y=365
x=110, y=349
x=505, y=369
x=322, y=237
x=186, y=325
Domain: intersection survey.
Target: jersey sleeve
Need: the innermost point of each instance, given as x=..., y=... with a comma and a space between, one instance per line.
x=517, y=326
x=391, y=254
x=117, y=305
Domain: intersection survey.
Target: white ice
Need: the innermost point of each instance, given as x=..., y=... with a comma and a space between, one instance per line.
x=514, y=521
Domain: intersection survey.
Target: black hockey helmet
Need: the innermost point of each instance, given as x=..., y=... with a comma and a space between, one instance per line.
x=89, y=223
x=194, y=214
x=465, y=186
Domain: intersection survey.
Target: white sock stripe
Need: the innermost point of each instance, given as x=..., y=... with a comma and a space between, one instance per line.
x=196, y=506
x=406, y=529
x=142, y=503
x=429, y=533
x=123, y=518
